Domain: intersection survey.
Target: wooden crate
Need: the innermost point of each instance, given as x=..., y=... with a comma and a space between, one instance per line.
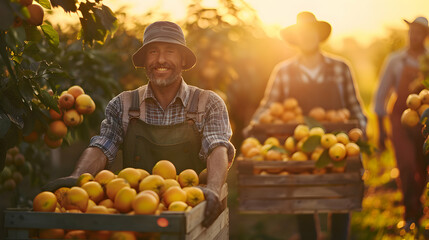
x=170, y=225
x=299, y=193
x=282, y=131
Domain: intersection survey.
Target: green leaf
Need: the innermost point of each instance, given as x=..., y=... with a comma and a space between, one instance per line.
x=425, y=131
x=324, y=159
x=24, y=13
x=44, y=3
x=4, y=124
x=365, y=147
x=426, y=147
x=425, y=82
x=424, y=117
x=311, y=122
x=311, y=143
x=107, y=18
x=13, y=110
x=33, y=34
x=278, y=149
x=48, y=100
x=51, y=35
x=67, y=5
x=26, y=90
x=17, y=58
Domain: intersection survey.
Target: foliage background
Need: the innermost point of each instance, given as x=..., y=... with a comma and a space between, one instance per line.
x=235, y=58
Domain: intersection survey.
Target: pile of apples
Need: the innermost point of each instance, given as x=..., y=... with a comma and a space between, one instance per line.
x=73, y=104
x=331, y=115
x=338, y=146
x=290, y=112
x=16, y=167
x=132, y=191
x=286, y=112
x=417, y=104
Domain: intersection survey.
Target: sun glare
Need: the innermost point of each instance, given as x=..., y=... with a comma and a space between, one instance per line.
x=362, y=20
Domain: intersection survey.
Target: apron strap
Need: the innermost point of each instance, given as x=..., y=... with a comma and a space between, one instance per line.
x=196, y=106
x=134, y=110
x=193, y=103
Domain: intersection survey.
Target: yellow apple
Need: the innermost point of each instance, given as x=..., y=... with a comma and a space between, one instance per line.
x=114, y=186
x=152, y=182
x=124, y=199
x=132, y=176
x=165, y=169
x=174, y=194
x=194, y=196
x=145, y=204
x=188, y=178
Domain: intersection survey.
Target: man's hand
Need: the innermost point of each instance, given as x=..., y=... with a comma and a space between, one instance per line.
x=53, y=185
x=382, y=136
x=213, y=206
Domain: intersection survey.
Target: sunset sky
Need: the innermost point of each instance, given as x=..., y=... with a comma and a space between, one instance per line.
x=361, y=19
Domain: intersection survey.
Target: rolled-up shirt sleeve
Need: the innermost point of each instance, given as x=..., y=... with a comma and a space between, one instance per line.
x=111, y=132
x=217, y=129
x=384, y=88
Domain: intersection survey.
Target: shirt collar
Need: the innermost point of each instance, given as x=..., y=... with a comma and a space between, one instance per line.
x=325, y=60
x=182, y=94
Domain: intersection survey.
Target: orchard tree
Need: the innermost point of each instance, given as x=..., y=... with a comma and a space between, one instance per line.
x=33, y=68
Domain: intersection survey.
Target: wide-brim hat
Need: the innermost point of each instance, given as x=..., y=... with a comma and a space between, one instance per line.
x=419, y=21
x=165, y=32
x=305, y=20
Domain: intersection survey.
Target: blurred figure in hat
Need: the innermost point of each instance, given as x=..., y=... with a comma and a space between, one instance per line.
x=399, y=76
x=315, y=80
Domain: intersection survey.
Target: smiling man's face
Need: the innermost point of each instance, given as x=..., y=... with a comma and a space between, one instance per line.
x=164, y=63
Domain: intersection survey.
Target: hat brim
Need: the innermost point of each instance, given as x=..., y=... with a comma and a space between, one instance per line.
x=289, y=34
x=139, y=55
x=415, y=23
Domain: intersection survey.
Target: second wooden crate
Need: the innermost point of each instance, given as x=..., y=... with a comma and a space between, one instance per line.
x=299, y=193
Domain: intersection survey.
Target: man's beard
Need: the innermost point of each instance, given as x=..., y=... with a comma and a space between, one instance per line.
x=163, y=82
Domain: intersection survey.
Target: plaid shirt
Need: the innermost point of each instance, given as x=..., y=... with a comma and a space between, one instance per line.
x=281, y=77
x=215, y=126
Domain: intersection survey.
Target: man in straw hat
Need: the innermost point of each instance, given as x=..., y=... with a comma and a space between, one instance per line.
x=314, y=80
x=400, y=75
x=164, y=119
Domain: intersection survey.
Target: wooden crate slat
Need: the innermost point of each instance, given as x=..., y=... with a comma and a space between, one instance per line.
x=17, y=234
x=309, y=179
x=223, y=234
x=277, y=164
x=84, y=221
x=299, y=205
x=211, y=232
x=275, y=192
x=196, y=216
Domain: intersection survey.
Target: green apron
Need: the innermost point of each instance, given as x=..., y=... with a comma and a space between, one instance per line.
x=145, y=144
